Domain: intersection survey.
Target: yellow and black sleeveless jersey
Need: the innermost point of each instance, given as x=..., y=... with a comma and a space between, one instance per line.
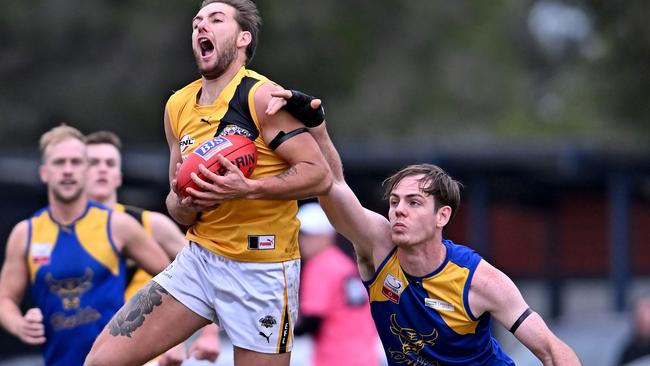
x=244, y=230
x=136, y=277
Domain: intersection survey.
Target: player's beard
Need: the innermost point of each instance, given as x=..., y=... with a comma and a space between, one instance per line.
x=66, y=199
x=225, y=58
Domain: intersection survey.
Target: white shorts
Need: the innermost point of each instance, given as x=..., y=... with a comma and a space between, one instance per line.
x=255, y=303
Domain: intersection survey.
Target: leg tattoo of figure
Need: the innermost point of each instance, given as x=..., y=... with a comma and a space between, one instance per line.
x=131, y=316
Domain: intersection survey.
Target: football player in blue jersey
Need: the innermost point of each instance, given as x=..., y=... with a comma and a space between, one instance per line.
x=432, y=300
x=71, y=255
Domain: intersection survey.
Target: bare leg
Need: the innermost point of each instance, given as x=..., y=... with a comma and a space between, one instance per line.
x=149, y=324
x=245, y=357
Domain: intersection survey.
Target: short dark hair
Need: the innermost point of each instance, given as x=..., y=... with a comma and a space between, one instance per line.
x=248, y=18
x=435, y=182
x=104, y=137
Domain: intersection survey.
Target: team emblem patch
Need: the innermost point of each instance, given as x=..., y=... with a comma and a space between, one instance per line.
x=392, y=288
x=268, y=321
x=41, y=253
x=236, y=130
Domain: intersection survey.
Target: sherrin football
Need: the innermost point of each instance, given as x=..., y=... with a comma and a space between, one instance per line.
x=239, y=150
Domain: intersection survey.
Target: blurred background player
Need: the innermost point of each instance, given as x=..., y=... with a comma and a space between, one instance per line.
x=242, y=266
x=71, y=254
x=104, y=179
x=334, y=306
x=637, y=346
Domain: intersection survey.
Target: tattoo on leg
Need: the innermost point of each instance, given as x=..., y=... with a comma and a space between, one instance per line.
x=289, y=172
x=131, y=316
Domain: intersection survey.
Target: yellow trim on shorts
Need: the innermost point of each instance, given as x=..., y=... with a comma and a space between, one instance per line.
x=285, y=322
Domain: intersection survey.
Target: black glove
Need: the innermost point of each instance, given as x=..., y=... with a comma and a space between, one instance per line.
x=300, y=108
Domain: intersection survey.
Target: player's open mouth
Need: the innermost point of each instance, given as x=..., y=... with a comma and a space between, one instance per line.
x=206, y=47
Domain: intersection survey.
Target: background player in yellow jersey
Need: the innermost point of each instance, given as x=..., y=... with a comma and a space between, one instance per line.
x=241, y=268
x=104, y=179
x=431, y=300
x=71, y=256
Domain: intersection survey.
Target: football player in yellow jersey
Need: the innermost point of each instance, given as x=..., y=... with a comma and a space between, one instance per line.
x=104, y=179
x=70, y=254
x=241, y=268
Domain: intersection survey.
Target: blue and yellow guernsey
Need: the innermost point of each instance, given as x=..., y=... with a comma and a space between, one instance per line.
x=427, y=320
x=77, y=280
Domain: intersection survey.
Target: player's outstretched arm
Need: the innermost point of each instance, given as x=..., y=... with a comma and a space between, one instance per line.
x=492, y=291
x=308, y=174
x=14, y=279
x=131, y=239
x=167, y=234
x=544, y=344
x=369, y=231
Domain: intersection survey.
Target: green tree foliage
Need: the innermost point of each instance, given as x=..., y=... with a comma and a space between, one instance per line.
x=624, y=79
x=420, y=70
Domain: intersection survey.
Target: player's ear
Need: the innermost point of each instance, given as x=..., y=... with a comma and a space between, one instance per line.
x=244, y=39
x=443, y=215
x=42, y=173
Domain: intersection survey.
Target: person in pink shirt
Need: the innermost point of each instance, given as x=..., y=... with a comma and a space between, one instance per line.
x=334, y=307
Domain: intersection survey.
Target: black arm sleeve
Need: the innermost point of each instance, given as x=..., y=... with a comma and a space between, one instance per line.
x=309, y=324
x=299, y=106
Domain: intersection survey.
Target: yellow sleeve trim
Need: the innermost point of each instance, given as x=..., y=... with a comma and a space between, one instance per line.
x=92, y=232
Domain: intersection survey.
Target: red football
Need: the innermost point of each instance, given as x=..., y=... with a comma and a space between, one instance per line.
x=240, y=150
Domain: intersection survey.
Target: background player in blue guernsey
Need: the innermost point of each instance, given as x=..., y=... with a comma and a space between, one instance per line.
x=104, y=150
x=242, y=265
x=71, y=254
x=431, y=300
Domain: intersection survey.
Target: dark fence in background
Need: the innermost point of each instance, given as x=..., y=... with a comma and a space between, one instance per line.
x=550, y=214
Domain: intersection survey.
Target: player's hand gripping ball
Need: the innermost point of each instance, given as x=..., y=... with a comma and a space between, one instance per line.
x=239, y=150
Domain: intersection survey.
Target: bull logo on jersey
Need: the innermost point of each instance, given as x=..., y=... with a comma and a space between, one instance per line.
x=70, y=289
x=412, y=344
